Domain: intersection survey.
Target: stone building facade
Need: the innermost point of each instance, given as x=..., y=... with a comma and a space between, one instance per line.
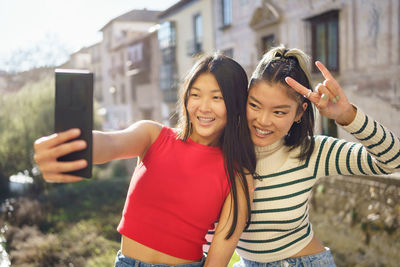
x=117, y=90
x=142, y=74
x=357, y=39
x=96, y=67
x=358, y=218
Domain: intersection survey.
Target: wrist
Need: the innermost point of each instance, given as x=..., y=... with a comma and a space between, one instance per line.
x=347, y=116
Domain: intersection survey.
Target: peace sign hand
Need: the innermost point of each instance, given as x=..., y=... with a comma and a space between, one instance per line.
x=328, y=97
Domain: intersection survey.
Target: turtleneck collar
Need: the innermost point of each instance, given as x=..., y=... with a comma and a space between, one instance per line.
x=272, y=157
x=269, y=149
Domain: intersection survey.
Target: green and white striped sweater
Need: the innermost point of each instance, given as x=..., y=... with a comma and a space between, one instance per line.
x=280, y=225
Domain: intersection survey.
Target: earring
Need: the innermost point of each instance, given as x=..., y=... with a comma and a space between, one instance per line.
x=298, y=122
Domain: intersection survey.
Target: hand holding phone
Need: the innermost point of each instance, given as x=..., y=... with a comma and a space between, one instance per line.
x=74, y=109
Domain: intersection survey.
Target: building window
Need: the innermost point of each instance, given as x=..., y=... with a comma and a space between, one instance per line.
x=267, y=43
x=195, y=45
x=226, y=13
x=168, y=71
x=109, y=39
x=114, y=93
x=198, y=33
x=228, y=52
x=168, y=56
x=123, y=94
x=325, y=40
x=135, y=53
x=167, y=35
x=133, y=90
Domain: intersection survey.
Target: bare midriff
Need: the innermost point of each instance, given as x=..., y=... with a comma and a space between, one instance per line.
x=135, y=250
x=314, y=247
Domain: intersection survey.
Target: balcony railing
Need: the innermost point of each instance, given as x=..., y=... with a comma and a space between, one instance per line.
x=170, y=95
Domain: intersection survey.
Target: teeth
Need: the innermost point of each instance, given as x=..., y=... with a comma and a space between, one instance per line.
x=262, y=132
x=203, y=119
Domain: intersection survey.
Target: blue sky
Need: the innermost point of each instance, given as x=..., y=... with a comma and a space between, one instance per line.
x=70, y=24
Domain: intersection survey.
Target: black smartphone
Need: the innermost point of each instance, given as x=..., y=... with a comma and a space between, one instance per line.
x=74, y=109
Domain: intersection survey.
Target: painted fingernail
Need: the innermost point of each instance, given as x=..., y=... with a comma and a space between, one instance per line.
x=334, y=100
x=324, y=96
x=337, y=98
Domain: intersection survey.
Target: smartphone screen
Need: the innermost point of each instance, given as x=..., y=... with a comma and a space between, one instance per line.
x=74, y=109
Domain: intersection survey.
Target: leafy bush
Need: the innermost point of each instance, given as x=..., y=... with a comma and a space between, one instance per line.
x=26, y=114
x=70, y=224
x=76, y=245
x=29, y=247
x=25, y=211
x=119, y=169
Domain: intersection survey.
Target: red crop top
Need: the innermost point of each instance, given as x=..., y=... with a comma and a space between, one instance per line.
x=175, y=195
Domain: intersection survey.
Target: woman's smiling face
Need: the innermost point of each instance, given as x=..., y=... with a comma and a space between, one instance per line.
x=206, y=109
x=270, y=112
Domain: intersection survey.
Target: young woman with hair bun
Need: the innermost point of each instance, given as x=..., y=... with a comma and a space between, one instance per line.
x=290, y=158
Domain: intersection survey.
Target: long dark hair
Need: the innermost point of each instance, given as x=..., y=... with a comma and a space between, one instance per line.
x=235, y=141
x=273, y=68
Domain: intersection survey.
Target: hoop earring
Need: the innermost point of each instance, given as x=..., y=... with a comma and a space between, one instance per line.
x=298, y=122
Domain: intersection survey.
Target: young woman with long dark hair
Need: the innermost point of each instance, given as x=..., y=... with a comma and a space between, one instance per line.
x=186, y=179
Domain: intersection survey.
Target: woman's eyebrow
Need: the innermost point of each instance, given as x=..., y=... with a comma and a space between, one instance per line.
x=283, y=106
x=255, y=99
x=217, y=90
x=278, y=106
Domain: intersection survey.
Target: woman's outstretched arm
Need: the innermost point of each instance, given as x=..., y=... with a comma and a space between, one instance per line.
x=131, y=142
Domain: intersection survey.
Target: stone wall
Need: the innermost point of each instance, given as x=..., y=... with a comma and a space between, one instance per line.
x=359, y=219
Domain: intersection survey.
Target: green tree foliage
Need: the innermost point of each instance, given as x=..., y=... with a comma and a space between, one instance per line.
x=24, y=116
x=72, y=224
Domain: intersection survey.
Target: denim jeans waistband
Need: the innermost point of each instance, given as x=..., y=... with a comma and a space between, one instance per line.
x=124, y=261
x=323, y=259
